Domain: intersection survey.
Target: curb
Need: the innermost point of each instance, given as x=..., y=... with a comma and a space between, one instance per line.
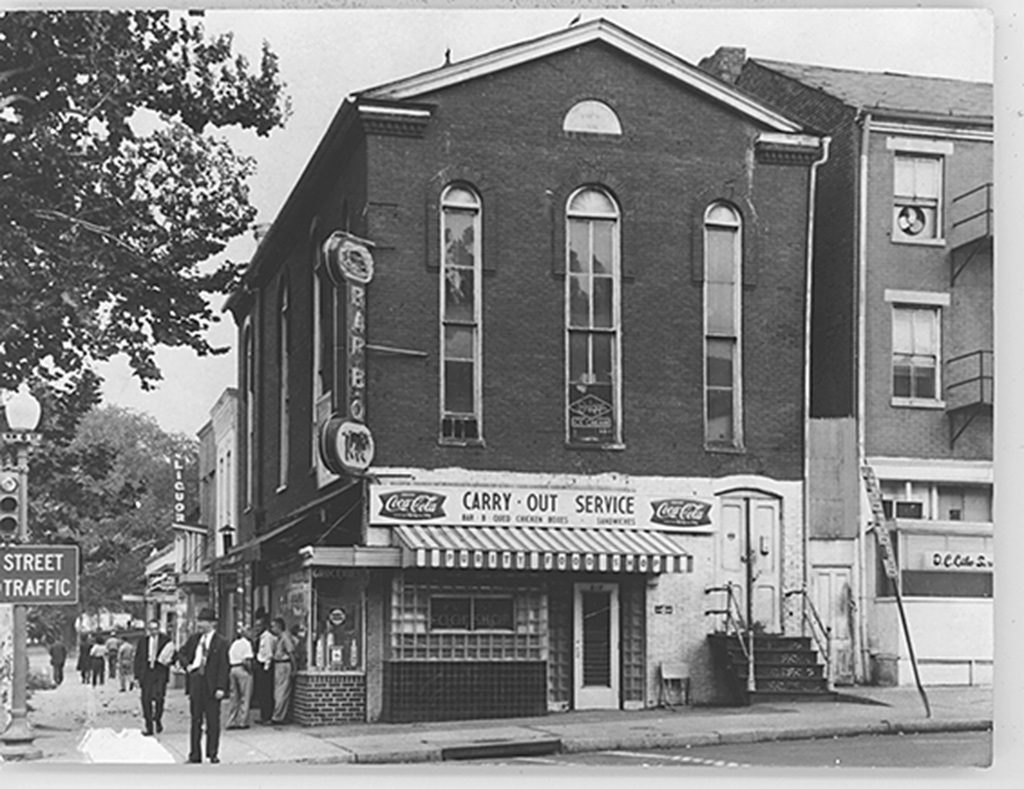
x=745, y=736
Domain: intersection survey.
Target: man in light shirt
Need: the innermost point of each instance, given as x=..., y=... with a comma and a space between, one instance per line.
x=284, y=669
x=240, y=658
x=264, y=677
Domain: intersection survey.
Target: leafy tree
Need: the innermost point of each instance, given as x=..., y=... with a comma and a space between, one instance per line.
x=113, y=191
x=108, y=488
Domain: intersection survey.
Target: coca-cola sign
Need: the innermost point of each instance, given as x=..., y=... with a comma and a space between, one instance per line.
x=412, y=505
x=681, y=512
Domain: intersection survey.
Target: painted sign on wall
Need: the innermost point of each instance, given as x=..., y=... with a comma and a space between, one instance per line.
x=539, y=506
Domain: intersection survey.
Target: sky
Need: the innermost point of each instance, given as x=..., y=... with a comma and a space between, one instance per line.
x=327, y=54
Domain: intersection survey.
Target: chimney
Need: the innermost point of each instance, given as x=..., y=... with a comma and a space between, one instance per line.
x=726, y=64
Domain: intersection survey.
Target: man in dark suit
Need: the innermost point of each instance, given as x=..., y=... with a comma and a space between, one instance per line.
x=205, y=657
x=152, y=675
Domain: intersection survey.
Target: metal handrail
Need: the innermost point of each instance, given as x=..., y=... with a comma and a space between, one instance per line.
x=819, y=631
x=734, y=623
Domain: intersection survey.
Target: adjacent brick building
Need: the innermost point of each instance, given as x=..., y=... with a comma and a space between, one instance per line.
x=522, y=373
x=901, y=359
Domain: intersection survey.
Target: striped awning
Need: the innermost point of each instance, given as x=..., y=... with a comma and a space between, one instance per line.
x=556, y=549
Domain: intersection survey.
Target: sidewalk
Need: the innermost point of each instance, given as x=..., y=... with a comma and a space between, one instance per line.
x=65, y=716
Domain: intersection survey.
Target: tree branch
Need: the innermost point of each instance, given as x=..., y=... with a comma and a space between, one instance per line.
x=49, y=213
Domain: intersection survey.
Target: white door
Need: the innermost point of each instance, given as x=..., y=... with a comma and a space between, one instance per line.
x=756, y=516
x=596, y=646
x=832, y=594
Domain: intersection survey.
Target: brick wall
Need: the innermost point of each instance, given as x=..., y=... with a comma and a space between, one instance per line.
x=678, y=152
x=967, y=323
x=325, y=699
x=833, y=334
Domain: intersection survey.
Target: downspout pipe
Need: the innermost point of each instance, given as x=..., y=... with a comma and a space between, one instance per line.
x=812, y=189
x=862, y=267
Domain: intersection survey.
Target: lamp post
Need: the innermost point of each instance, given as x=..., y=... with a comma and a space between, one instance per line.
x=22, y=418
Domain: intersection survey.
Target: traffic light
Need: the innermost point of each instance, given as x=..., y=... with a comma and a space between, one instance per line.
x=12, y=505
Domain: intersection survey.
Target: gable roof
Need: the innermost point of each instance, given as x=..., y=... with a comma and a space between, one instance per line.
x=897, y=93
x=595, y=30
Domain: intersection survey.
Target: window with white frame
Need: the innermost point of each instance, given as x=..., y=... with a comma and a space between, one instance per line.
x=461, y=291
x=592, y=117
x=917, y=197
x=937, y=501
x=249, y=372
x=722, y=301
x=915, y=353
x=592, y=315
x=283, y=406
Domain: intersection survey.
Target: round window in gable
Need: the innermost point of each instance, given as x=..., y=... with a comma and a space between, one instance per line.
x=592, y=117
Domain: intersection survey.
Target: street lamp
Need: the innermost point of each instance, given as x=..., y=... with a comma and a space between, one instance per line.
x=22, y=412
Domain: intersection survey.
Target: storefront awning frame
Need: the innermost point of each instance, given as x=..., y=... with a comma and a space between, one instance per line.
x=560, y=549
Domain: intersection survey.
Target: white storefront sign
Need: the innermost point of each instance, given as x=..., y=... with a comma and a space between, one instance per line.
x=496, y=505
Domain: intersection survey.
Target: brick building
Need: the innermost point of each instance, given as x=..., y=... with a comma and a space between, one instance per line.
x=901, y=359
x=521, y=375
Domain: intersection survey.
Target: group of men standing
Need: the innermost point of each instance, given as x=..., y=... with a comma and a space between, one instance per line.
x=247, y=671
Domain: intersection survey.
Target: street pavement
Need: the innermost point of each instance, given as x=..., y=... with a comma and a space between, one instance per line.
x=76, y=723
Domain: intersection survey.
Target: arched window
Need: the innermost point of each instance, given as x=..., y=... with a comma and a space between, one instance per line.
x=722, y=324
x=461, y=293
x=283, y=349
x=592, y=318
x=324, y=309
x=249, y=388
x=592, y=117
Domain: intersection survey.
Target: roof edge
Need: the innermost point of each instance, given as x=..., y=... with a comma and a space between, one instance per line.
x=558, y=41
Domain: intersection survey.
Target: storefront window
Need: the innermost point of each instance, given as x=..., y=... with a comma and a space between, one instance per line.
x=467, y=621
x=338, y=627
x=471, y=613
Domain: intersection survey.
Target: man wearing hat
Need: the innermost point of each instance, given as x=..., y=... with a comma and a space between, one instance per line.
x=205, y=657
x=152, y=669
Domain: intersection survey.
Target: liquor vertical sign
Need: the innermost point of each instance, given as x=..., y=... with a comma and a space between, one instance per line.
x=180, y=504
x=346, y=442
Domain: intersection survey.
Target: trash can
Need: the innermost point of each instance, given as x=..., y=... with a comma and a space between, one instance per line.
x=885, y=669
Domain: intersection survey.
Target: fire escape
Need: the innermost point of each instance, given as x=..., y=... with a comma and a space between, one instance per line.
x=969, y=377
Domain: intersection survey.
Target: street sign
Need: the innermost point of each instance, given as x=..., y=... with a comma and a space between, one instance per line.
x=39, y=574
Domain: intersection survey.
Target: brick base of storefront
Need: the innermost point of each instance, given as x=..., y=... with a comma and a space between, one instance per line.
x=455, y=690
x=323, y=698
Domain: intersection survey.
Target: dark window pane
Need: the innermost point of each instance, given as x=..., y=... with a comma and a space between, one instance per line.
x=602, y=362
x=597, y=639
x=458, y=294
x=603, y=247
x=719, y=372
x=449, y=613
x=720, y=425
x=901, y=369
x=458, y=239
x=579, y=358
x=458, y=387
x=603, y=302
x=492, y=613
x=579, y=246
x=326, y=318
x=924, y=382
x=579, y=301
